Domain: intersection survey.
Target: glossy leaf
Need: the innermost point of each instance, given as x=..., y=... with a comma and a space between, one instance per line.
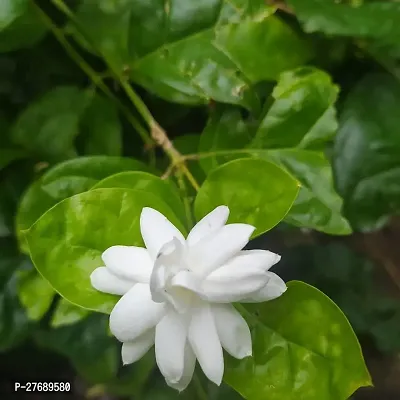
x=49, y=125
x=192, y=52
x=303, y=348
x=366, y=157
x=75, y=232
x=225, y=130
x=101, y=129
x=165, y=190
x=371, y=19
x=303, y=112
x=34, y=293
x=67, y=313
x=67, y=179
x=20, y=25
x=317, y=206
x=256, y=191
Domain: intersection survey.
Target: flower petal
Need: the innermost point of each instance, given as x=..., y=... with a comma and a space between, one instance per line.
x=227, y=284
x=129, y=262
x=233, y=330
x=213, y=221
x=166, y=265
x=188, y=370
x=274, y=288
x=233, y=282
x=104, y=281
x=171, y=334
x=157, y=230
x=135, y=313
x=205, y=343
x=215, y=249
x=136, y=349
x=262, y=258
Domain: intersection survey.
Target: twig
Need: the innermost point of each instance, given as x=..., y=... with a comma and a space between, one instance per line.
x=156, y=132
x=95, y=77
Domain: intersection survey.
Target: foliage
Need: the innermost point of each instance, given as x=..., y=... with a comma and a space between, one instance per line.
x=287, y=112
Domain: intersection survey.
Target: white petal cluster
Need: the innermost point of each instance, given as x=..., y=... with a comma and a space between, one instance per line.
x=176, y=293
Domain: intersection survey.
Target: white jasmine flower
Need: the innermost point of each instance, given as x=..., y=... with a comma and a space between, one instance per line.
x=176, y=293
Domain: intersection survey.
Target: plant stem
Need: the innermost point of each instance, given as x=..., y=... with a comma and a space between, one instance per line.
x=157, y=132
x=95, y=77
x=186, y=200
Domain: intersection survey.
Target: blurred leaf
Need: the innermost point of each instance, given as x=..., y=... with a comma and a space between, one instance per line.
x=65, y=180
x=317, y=206
x=350, y=280
x=303, y=113
x=7, y=156
x=13, y=182
x=137, y=180
x=14, y=324
x=11, y=10
x=34, y=293
x=303, y=347
x=190, y=52
x=72, y=235
x=257, y=192
x=134, y=377
x=86, y=344
x=20, y=25
x=225, y=130
x=67, y=313
x=371, y=19
x=366, y=157
x=48, y=126
x=101, y=129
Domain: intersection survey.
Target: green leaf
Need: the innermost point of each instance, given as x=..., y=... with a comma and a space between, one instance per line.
x=152, y=184
x=86, y=344
x=101, y=129
x=20, y=25
x=133, y=379
x=10, y=10
x=75, y=232
x=304, y=348
x=353, y=18
x=67, y=313
x=193, y=51
x=225, y=130
x=366, y=156
x=14, y=324
x=49, y=125
x=303, y=113
x=34, y=293
x=7, y=156
x=317, y=206
x=257, y=192
x=13, y=182
x=65, y=180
